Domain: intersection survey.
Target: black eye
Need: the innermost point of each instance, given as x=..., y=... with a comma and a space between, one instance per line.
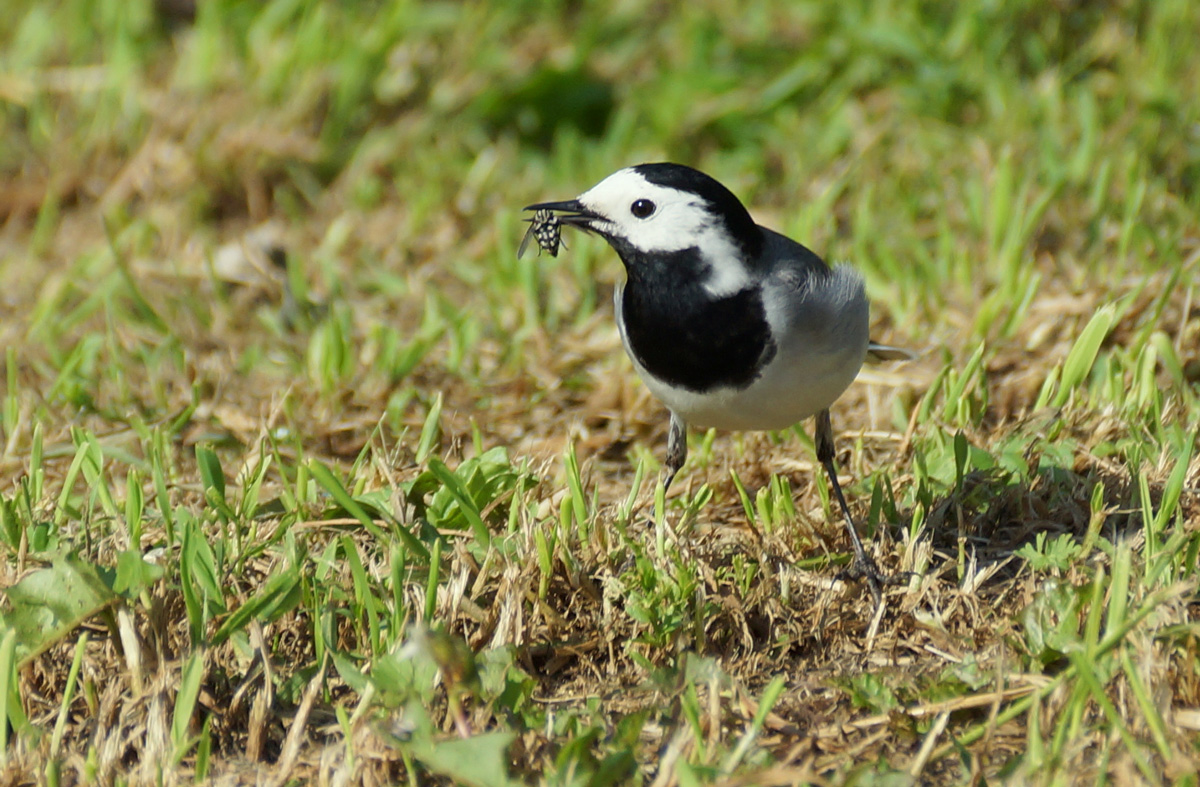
x=642, y=208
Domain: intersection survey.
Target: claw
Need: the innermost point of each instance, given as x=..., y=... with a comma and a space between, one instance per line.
x=866, y=569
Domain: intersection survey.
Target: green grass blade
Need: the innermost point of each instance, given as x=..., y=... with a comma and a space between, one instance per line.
x=190, y=681
x=1083, y=353
x=466, y=503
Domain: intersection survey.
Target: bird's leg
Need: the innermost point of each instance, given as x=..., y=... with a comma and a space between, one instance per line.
x=676, y=449
x=863, y=566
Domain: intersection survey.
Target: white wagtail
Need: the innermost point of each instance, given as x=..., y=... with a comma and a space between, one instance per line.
x=730, y=324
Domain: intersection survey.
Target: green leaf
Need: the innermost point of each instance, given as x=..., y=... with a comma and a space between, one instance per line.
x=198, y=565
x=1173, y=489
x=134, y=574
x=454, y=485
x=429, y=430
x=210, y=470
x=12, y=710
x=325, y=477
x=350, y=673
x=1083, y=353
x=185, y=701
x=407, y=673
x=47, y=605
x=961, y=452
x=480, y=761
x=280, y=594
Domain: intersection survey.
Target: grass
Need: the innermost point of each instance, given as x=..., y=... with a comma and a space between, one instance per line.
x=303, y=476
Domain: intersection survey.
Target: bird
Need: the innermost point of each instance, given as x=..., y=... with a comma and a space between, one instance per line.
x=729, y=324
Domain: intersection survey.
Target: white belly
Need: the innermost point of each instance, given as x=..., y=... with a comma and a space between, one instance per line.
x=822, y=343
x=799, y=384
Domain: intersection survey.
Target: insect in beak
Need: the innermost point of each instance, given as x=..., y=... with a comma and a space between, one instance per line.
x=548, y=219
x=546, y=228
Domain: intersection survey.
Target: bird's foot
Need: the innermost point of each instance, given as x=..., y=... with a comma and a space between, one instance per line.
x=864, y=567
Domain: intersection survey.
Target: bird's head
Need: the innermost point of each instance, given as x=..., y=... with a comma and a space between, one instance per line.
x=653, y=211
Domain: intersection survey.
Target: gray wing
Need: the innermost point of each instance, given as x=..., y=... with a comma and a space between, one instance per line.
x=783, y=256
x=818, y=293
x=813, y=307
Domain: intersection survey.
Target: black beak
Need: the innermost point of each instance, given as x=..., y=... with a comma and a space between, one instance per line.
x=569, y=212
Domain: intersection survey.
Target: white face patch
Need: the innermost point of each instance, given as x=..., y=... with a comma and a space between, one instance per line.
x=679, y=220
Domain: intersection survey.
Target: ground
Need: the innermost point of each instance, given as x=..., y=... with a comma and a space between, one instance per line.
x=305, y=477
